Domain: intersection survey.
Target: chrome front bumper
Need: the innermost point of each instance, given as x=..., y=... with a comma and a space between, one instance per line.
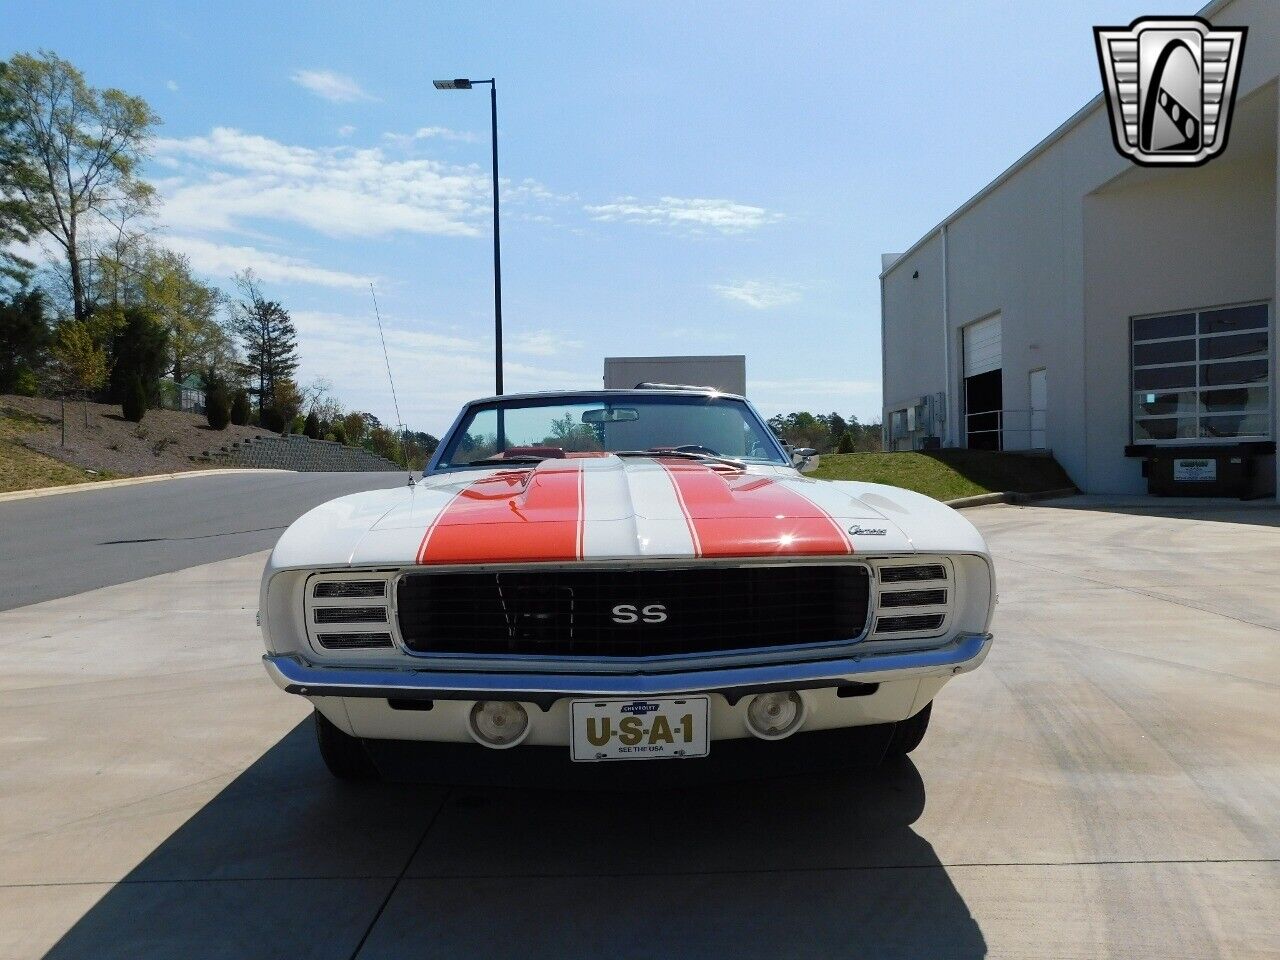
x=293, y=674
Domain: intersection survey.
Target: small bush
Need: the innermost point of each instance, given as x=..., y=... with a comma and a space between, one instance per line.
x=240, y=409
x=338, y=432
x=134, y=405
x=270, y=418
x=311, y=426
x=297, y=424
x=216, y=408
x=846, y=443
x=24, y=381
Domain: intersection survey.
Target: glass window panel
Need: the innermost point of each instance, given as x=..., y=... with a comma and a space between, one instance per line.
x=1168, y=428
x=1153, y=403
x=1154, y=328
x=1163, y=377
x=1253, y=317
x=1236, y=398
x=1218, y=348
x=1241, y=371
x=1237, y=425
x=1171, y=351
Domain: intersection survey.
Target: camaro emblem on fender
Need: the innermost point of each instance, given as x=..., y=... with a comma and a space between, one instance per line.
x=631, y=613
x=867, y=531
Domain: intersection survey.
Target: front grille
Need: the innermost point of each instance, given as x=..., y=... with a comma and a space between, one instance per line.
x=350, y=589
x=921, y=622
x=666, y=612
x=913, y=598
x=907, y=574
x=353, y=641
x=350, y=615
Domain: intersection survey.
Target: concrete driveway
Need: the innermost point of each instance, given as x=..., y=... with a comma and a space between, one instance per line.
x=1108, y=784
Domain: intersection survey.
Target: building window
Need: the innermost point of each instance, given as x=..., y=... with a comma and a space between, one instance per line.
x=1203, y=376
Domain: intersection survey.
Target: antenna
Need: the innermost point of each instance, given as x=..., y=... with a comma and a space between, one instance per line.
x=387, y=359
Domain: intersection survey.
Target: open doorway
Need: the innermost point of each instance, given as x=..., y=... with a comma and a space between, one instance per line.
x=983, y=401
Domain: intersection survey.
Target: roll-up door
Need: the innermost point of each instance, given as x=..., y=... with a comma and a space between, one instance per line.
x=982, y=346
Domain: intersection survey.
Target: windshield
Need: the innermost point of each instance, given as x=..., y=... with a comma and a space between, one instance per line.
x=562, y=426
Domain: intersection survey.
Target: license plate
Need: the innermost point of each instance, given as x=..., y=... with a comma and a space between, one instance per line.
x=639, y=729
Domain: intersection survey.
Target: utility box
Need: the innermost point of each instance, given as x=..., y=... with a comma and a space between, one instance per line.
x=725, y=373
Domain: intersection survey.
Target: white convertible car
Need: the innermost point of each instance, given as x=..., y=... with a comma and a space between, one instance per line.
x=625, y=575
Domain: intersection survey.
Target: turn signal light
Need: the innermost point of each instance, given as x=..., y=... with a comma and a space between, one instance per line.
x=498, y=723
x=772, y=716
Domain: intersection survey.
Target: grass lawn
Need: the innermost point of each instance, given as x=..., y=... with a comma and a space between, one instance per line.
x=23, y=469
x=947, y=474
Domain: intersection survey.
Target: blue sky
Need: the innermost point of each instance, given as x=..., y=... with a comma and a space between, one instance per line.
x=678, y=177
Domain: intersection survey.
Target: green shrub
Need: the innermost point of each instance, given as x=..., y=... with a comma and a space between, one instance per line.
x=338, y=431
x=311, y=426
x=240, y=409
x=297, y=424
x=846, y=443
x=216, y=408
x=270, y=418
x=24, y=381
x=134, y=405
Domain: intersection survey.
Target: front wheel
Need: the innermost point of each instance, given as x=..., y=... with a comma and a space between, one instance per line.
x=908, y=734
x=342, y=753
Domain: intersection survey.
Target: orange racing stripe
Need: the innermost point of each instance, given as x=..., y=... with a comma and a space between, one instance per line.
x=510, y=517
x=743, y=515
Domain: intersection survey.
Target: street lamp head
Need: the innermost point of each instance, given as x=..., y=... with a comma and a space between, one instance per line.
x=458, y=84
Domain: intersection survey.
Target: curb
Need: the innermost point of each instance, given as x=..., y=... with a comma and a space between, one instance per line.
x=126, y=482
x=983, y=499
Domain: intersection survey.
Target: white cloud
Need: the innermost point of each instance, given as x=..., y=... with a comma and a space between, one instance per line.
x=229, y=178
x=346, y=130
x=435, y=371
x=759, y=294
x=444, y=133
x=332, y=86
x=691, y=213
x=543, y=343
x=222, y=260
x=172, y=85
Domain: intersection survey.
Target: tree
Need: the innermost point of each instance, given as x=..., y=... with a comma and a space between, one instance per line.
x=338, y=431
x=139, y=348
x=16, y=222
x=134, y=403
x=385, y=444
x=311, y=426
x=216, y=406
x=846, y=443
x=79, y=363
x=72, y=154
x=240, y=409
x=355, y=426
x=24, y=338
x=268, y=338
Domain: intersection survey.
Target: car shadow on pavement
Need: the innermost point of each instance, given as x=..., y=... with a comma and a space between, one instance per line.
x=756, y=859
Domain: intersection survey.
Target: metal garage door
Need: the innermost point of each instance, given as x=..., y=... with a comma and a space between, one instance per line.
x=982, y=346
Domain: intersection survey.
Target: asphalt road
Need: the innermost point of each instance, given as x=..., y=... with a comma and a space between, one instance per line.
x=1107, y=784
x=61, y=545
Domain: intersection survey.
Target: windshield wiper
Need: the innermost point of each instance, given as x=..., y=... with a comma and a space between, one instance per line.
x=685, y=454
x=499, y=461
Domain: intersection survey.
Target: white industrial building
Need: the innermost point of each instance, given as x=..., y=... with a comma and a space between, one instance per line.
x=1120, y=316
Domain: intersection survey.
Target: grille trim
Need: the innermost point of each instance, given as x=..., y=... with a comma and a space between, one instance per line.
x=349, y=589
x=913, y=622
x=543, y=623
x=914, y=598
x=349, y=615
x=911, y=573
x=355, y=641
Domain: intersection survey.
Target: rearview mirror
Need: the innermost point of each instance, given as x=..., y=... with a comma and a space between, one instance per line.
x=610, y=415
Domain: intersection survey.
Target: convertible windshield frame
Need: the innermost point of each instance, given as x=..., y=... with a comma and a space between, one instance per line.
x=608, y=398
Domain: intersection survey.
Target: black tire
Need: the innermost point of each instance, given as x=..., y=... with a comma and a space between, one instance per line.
x=908, y=734
x=343, y=754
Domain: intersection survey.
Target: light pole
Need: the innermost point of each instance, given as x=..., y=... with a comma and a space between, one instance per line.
x=461, y=84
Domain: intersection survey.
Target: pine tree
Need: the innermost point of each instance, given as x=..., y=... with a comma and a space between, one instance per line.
x=268, y=337
x=134, y=406
x=240, y=410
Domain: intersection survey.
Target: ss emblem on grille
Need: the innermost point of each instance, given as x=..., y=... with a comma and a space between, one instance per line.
x=631, y=613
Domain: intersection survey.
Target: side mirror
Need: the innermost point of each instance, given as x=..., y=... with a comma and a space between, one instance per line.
x=804, y=453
